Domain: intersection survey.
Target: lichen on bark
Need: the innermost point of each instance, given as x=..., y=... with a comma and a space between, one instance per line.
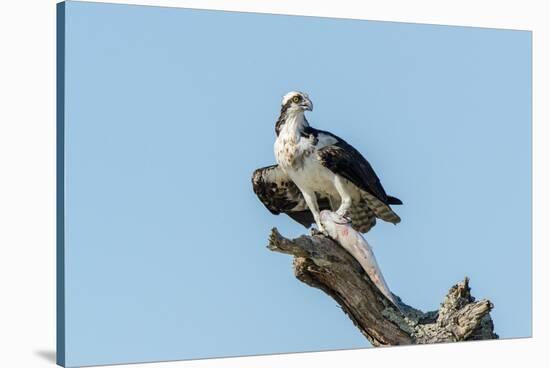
x=322, y=263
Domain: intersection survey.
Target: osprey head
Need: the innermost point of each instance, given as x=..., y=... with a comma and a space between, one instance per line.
x=296, y=101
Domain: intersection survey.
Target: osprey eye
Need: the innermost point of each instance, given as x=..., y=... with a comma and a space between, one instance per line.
x=296, y=99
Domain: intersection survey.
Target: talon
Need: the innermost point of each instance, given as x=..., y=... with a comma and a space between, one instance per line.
x=314, y=231
x=345, y=219
x=342, y=213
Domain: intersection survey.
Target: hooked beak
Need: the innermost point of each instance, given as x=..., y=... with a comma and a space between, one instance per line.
x=307, y=105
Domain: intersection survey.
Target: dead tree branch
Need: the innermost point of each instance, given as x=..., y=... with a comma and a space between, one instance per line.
x=322, y=263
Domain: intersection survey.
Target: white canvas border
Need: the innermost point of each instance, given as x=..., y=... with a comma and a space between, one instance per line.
x=27, y=188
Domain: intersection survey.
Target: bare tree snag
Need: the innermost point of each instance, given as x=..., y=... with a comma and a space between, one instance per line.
x=322, y=263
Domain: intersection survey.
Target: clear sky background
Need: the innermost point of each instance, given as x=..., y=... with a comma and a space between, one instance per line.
x=168, y=112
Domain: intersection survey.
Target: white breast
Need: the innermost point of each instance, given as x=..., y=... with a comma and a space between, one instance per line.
x=290, y=147
x=313, y=176
x=291, y=150
x=296, y=155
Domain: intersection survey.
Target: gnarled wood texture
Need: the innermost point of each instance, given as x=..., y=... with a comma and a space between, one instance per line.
x=322, y=263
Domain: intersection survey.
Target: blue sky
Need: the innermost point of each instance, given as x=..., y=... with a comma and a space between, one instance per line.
x=168, y=112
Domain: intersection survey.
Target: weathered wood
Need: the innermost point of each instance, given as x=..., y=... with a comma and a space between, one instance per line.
x=322, y=263
x=340, y=230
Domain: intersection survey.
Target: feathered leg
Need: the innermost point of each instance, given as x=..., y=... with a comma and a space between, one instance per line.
x=345, y=202
x=311, y=201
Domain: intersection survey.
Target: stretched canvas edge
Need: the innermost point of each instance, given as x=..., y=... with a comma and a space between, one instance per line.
x=60, y=184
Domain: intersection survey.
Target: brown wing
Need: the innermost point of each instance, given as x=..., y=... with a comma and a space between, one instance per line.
x=344, y=160
x=280, y=195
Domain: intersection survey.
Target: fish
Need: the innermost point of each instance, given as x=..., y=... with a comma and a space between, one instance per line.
x=340, y=230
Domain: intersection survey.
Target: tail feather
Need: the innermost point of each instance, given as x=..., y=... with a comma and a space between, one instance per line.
x=362, y=217
x=380, y=209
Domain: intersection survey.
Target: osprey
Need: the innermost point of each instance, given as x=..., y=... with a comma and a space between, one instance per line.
x=316, y=170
